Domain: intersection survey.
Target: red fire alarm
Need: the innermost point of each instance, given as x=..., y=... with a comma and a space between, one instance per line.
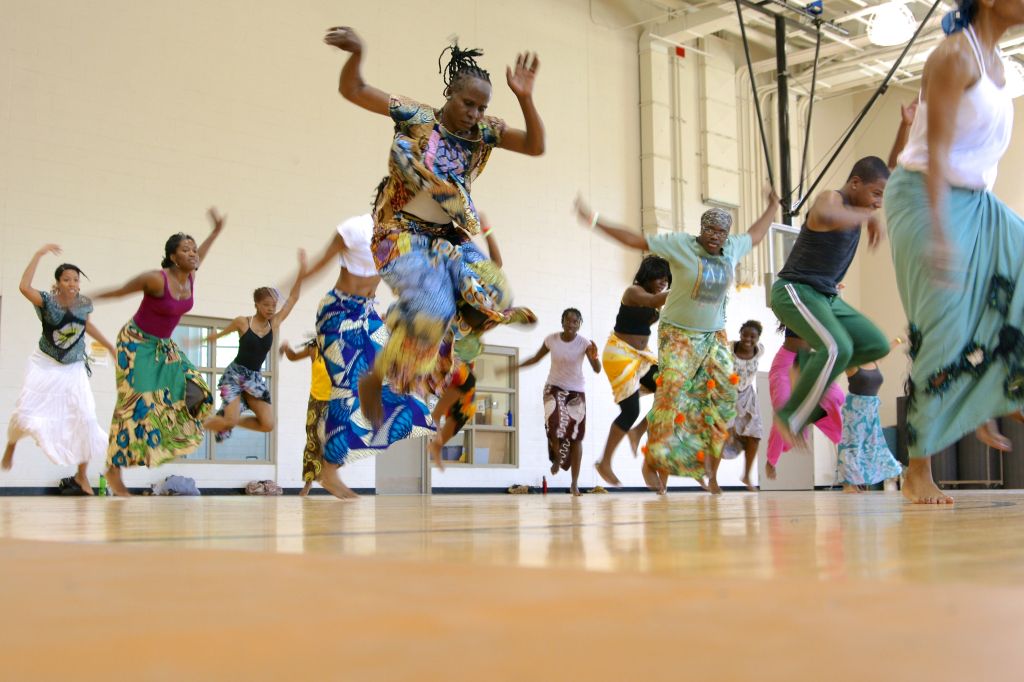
x=680, y=51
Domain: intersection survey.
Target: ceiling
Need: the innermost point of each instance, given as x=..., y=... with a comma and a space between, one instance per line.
x=848, y=61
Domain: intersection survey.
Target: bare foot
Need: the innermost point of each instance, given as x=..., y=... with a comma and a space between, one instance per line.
x=796, y=440
x=116, y=484
x=605, y=471
x=919, y=487
x=332, y=484
x=305, y=489
x=713, y=486
x=574, y=490
x=702, y=482
x=988, y=433
x=746, y=481
x=770, y=472
x=663, y=477
x=554, y=468
x=8, y=457
x=1017, y=416
x=651, y=477
x=83, y=482
x=434, y=446
x=370, y=399
x=850, y=489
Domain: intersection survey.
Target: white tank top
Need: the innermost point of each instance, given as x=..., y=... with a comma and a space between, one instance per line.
x=981, y=136
x=356, y=257
x=567, y=362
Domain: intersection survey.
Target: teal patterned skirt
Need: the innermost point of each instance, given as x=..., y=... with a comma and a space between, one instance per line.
x=966, y=340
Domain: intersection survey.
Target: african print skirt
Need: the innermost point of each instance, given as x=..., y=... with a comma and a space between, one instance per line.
x=162, y=401
x=625, y=366
x=350, y=334
x=57, y=409
x=432, y=274
x=966, y=339
x=565, y=422
x=694, y=402
x=313, y=453
x=239, y=381
x=864, y=456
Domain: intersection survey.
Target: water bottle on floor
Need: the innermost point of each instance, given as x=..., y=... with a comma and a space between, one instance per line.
x=103, y=486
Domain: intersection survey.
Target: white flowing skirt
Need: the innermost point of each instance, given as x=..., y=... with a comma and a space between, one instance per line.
x=57, y=409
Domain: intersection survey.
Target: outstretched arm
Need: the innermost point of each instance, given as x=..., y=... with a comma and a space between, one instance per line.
x=217, y=220
x=327, y=256
x=520, y=81
x=25, y=285
x=622, y=235
x=351, y=84
x=234, y=325
x=760, y=227
x=150, y=282
x=907, y=113
x=292, y=354
x=95, y=333
x=537, y=357
x=293, y=295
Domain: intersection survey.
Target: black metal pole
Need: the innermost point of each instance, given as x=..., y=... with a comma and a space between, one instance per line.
x=753, y=92
x=867, y=107
x=786, y=189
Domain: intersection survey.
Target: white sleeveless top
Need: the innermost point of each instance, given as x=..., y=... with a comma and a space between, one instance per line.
x=356, y=257
x=981, y=136
x=567, y=362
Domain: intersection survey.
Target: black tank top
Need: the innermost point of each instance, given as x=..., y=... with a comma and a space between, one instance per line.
x=635, y=319
x=253, y=349
x=821, y=259
x=866, y=382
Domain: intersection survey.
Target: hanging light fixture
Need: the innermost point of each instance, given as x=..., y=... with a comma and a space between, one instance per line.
x=891, y=24
x=1014, y=71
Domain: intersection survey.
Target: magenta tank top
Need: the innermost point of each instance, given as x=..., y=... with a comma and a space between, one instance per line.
x=159, y=316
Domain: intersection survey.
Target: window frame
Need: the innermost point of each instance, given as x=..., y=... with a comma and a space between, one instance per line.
x=207, y=324
x=468, y=432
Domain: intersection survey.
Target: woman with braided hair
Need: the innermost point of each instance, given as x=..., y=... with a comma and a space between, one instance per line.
x=424, y=216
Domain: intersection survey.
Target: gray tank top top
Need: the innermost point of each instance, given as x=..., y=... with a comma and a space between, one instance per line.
x=821, y=259
x=866, y=381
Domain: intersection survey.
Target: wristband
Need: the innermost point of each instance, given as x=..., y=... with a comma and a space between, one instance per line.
x=593, y=220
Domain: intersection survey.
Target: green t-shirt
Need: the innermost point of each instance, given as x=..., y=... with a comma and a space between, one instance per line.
x=700, y=281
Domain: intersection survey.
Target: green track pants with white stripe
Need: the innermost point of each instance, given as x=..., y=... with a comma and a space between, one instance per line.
x=839, y=336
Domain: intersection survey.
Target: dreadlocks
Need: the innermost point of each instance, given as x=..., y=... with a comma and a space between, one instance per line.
x=462, y=64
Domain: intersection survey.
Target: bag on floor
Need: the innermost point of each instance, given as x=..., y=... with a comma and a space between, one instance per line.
x=263, y=488
x=176, y=485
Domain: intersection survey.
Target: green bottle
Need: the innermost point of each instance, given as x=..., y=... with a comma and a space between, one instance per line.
x=103, y=485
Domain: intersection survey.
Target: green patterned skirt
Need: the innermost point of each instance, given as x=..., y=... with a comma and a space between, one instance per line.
x=162, y=401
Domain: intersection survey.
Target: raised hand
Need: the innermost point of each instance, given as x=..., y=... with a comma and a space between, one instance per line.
x=520, y=80
x=908, y=112
x=49, y=248
x=583, y=212
x=217, y=219
x=303, y=263
x=344, y=38
x=283, y=348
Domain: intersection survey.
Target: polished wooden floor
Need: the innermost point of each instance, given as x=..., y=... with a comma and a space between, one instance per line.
x=745, y=586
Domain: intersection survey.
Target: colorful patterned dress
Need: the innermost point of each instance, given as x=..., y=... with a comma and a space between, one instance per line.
x=431, y=267
x=162, y=399
x=696, y=393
